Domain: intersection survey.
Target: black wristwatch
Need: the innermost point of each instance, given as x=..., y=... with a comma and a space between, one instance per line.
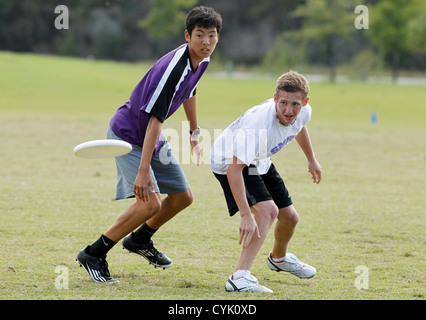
x=195, y=132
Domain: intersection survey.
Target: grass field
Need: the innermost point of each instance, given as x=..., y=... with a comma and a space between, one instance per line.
x=368, y=212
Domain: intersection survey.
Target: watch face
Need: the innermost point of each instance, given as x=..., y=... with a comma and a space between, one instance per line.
x=194, y=132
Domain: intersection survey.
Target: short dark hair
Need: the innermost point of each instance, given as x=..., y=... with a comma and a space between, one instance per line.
x=205, y=17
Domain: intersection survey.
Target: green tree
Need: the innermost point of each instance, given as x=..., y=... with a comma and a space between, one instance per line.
x=416, y=29
x=284, y=53
x=326, y=21
x=167, y=17
x=394, y=32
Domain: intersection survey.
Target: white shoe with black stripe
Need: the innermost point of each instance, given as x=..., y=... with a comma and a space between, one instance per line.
x=290, y=263
x=246, y=283
x=96, y=267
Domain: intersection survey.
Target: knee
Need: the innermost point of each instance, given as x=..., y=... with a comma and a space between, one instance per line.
x=150, y=208
x=294, y=218
x=273, y=213
x=187, y=198
x=288, y=216
x=270, y=212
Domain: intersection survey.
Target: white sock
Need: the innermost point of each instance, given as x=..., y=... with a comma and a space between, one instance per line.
x=240, y=273
x=278, y=259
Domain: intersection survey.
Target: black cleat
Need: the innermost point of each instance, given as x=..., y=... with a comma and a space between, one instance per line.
x=96, y=267
x=148, y=251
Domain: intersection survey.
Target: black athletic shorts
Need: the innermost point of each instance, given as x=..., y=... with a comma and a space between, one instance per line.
x=269, y=186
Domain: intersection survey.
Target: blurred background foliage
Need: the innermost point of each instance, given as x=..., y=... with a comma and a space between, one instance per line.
x=270, y=35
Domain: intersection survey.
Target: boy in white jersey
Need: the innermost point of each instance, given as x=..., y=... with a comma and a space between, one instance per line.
x=240, y=160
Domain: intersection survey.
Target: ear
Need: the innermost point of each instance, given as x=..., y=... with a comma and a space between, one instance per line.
x=187, y=36
x=305, y=102
x=275, y=97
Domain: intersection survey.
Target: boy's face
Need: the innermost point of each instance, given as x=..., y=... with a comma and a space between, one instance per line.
x=202, y=42
x=288, y=106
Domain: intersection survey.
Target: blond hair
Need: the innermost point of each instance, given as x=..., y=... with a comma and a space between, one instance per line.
x=293, y=82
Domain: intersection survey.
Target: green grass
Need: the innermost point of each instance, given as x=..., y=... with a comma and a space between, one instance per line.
x=369, y=209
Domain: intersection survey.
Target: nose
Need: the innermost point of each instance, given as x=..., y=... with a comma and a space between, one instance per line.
x=206, y=40
x=287, y=109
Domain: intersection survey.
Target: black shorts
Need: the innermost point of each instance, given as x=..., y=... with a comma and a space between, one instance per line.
x=269, y=186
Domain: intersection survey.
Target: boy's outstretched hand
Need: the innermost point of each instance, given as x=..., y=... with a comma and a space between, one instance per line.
x=196, y=148
x=316, y=170
x=248, y=229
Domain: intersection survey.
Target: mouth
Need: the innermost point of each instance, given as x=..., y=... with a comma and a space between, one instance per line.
x=205, y=50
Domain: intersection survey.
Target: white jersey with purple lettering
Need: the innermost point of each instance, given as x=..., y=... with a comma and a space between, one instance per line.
x=254, y=137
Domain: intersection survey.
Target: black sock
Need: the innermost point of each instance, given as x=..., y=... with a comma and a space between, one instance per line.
x=143, y=234
x=101, y=246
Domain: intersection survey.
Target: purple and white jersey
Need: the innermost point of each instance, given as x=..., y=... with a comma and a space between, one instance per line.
x=160, y=93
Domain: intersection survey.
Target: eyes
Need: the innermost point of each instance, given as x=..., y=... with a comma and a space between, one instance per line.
x=294, y=104
x=211, y=36
x=202, y=33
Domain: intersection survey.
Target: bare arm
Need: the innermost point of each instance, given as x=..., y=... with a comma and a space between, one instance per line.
x=190, y=107
x=248, y=225
x=305, y=144
x=144, y=179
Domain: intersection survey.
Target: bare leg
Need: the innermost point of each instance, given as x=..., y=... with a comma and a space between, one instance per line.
x=171, y=205
x=265, y=213
x=284, y=230
x=133, y=217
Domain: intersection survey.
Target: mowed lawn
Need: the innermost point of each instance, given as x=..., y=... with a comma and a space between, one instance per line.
x=362, y=227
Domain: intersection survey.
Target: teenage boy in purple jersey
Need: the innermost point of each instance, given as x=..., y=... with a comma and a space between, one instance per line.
x=151, y=167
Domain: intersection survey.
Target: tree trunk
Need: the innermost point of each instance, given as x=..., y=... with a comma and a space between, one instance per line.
x=332, y=57
x=395, y=66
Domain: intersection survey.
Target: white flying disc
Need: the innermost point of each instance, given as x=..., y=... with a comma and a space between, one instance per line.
x=102, y=148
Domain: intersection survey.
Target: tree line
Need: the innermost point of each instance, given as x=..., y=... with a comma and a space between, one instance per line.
x=271, y=33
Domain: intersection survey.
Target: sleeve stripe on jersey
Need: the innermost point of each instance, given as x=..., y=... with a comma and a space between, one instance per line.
x=164, y=78
x=185, y=71
x=195, y=87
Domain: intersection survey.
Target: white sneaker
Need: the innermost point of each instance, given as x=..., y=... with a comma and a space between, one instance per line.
x=292, y=264
x=247, y=283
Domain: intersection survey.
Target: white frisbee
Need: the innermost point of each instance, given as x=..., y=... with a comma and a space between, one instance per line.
x=105, y=148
